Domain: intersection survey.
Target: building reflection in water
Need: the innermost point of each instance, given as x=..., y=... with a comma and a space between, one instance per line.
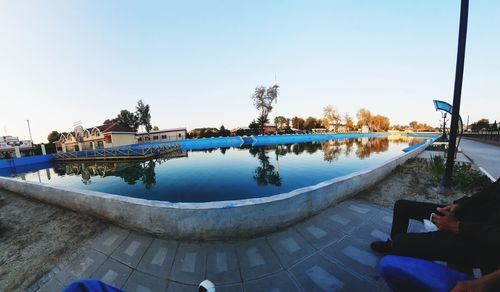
x=267, y=171
x=131, y=172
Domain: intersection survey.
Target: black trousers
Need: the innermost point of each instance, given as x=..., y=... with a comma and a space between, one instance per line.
x=438, y=245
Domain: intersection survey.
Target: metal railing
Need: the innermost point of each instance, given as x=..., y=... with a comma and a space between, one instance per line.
x=118, y=153
x=493, y=136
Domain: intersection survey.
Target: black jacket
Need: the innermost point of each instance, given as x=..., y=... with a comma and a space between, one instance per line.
x=479, y=216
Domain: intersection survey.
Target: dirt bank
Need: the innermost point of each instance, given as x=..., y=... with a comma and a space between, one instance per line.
x=35, y=236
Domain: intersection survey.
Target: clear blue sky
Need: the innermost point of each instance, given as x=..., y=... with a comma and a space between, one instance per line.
x=197, y=62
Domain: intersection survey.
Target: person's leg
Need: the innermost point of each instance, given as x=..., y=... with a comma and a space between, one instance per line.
x=405, y=210
x=438, y=245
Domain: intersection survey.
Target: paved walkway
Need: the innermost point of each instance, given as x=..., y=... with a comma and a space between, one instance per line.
x=483, y=155
x=429, y=154
x=328, y=252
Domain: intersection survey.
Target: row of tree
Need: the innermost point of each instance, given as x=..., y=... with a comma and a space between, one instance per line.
x=484, y=125
x=132, y=120
x=209, y=133
x=333, y=121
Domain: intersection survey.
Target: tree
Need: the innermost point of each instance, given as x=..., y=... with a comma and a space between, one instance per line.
x=155, y=128
x=331, y=117
x=282, y=122
x=143, y=115
x=482, y=124
x=263, y=101
x=128, y=120
x=53, y=136
x=349, y=123
x=414, y=125
x=109, y=121
x=262, y=121
x=223, y=132
x=380, y=123
x=310, y=123
x=494, y=127
x=364, y=117
x=254, y=127
x=298, y=123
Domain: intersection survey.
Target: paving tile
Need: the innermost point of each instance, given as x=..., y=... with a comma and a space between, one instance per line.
x=319, y=232
x=342, y=218
x=141, y=282
x=364, y=209
x=222, y=264
x=189, y=264
x=109, y=239
x=256, y=259
x=383, y=216
x=178, y=287
x=280, y=282
x=81, y=267
x=159, y=258
x=113, y=273
x=356, y=256
x=290, y=247
x=51, y=286
x=317, y=273
x=229, y=288
x=373, y=232
x=131, y=250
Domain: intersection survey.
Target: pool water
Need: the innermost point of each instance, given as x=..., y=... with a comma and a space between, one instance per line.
x=226, y=173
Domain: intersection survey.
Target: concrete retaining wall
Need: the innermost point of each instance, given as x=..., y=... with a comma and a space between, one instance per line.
x=213, y=220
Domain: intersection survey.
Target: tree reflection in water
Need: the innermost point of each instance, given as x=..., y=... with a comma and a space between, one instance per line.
x=331, y=150
x=130, y=172
x=365, y=146
x=266, y=173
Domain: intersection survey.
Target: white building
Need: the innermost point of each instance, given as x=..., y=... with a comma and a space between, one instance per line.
x=8, y=144
x=162, y=135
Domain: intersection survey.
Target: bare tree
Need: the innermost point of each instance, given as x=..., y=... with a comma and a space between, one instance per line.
x=263, y=101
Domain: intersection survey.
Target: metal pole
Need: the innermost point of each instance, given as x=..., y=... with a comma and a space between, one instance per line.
x=459, y=73
x=29, y=129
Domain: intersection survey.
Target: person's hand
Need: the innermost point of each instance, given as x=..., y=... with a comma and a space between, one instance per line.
x=470, y=286
x=452, y=209
x=447, y=221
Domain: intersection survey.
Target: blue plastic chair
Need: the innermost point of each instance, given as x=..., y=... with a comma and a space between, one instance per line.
x=90, y=286
x=411, y=274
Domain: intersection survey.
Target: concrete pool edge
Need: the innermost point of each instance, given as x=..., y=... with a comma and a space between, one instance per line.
x=212, y=220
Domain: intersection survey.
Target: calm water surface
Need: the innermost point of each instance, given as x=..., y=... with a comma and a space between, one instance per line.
x=226, y=173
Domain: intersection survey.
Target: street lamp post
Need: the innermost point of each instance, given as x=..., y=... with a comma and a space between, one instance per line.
x=29, y=129
x=459, y=73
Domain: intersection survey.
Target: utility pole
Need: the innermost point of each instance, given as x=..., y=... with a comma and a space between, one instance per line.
x=29, y=129
x=457, y=94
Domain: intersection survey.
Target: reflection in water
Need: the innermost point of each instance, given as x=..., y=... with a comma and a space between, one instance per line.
x=331, y=150
x=225, y=173
x=130, y=172
x=266, y=173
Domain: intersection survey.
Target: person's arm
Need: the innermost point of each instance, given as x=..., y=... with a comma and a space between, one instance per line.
x=490, y=282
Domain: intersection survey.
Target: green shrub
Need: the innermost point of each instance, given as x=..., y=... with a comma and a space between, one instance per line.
x=436, y=147
x=436, y=166
x=468, y=179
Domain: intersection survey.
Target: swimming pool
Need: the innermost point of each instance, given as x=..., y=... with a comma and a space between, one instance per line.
x=234, y=172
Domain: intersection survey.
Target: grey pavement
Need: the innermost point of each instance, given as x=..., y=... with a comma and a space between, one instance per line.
x=428, y=154
x=327, y=252
x=486, y=156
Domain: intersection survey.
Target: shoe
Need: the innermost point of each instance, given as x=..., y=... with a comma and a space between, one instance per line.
x=382, y=246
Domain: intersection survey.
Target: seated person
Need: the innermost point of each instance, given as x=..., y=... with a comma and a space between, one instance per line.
x=469, y=231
